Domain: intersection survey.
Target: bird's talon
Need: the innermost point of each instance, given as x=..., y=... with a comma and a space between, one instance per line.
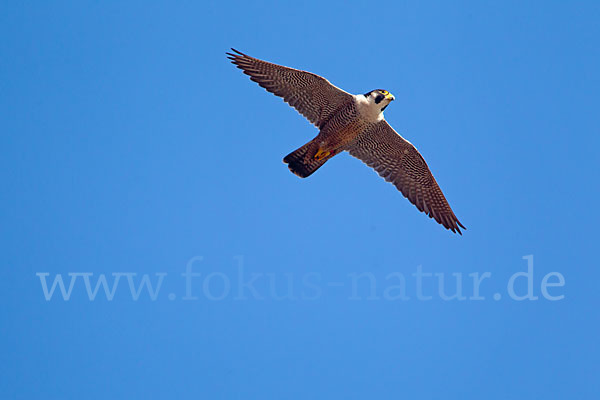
x=321, y=155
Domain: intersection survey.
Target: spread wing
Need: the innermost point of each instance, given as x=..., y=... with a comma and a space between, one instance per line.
x=312, y=95
x=398, y=161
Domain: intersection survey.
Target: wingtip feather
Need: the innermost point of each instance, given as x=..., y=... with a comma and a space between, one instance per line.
x=239, y=52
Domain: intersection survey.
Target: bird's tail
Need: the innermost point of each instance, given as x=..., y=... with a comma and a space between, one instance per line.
x=306, y=160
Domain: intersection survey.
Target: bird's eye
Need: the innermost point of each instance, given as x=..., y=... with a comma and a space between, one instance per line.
x=384, y=92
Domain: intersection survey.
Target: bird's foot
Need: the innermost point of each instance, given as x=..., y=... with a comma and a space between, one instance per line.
x=321, y=155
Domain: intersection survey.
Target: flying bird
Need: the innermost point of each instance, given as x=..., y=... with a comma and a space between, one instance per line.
x=352, y=123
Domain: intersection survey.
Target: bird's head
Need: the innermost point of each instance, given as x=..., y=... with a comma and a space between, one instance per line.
x=380, y=98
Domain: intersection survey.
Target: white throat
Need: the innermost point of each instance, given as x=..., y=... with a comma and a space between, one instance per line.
x=367, y=109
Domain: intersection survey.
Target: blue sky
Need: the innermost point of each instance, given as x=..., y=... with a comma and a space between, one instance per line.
x=130, y=146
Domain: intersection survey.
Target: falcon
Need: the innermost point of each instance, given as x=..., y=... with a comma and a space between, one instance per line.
x=352, y=123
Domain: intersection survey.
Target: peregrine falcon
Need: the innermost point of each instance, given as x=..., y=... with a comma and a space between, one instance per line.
x=352, y=123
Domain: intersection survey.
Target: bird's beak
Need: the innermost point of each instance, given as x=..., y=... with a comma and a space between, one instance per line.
x=390, y=97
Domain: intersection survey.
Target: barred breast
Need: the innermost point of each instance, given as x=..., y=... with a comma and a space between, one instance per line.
x=342, y=128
